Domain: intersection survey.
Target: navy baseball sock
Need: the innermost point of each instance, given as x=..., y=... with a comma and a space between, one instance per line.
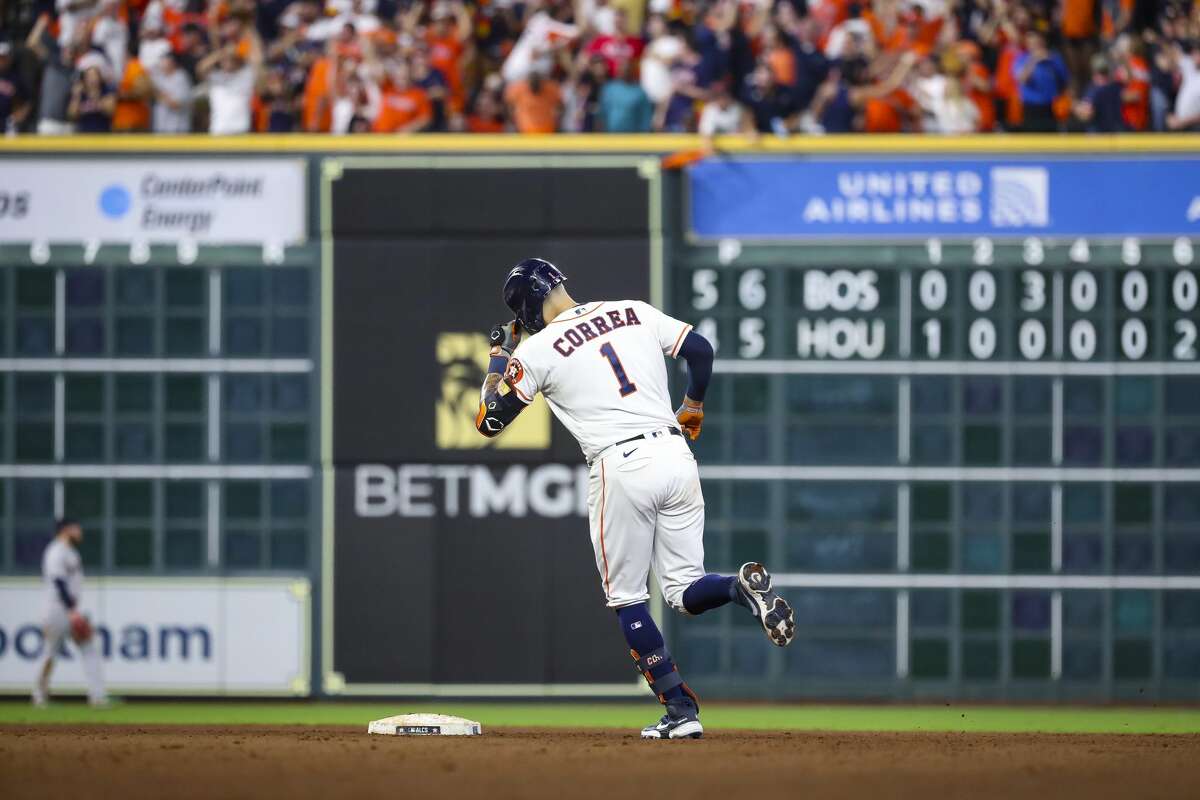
x=644, y=637
x=711, y=591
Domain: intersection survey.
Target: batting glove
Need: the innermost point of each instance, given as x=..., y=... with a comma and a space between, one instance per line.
x=505, y=337
x=690, y=417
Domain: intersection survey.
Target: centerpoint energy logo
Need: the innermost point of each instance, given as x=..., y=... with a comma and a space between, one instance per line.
x=115, y=201
x=210, y=201
x=463, y=360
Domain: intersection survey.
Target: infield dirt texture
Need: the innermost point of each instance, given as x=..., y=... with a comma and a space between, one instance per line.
x=67, y=756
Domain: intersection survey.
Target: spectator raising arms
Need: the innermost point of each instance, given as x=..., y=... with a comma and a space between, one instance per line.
x=231, y=78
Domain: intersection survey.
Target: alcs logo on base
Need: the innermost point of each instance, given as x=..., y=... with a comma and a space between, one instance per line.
x=463, y=359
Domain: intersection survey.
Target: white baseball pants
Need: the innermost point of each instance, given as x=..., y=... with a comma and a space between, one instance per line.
x=645, y=508
x=56, y=627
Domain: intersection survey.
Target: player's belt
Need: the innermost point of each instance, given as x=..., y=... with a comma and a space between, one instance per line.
x=650, y=435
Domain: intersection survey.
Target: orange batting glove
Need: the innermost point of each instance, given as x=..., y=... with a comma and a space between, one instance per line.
x=690, y=417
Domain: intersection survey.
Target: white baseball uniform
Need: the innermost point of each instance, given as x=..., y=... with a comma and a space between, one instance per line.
x=600, y=367
x=61, y=561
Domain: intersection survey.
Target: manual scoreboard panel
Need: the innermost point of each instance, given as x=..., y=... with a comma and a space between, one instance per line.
x=167, y=397
x=975, y=462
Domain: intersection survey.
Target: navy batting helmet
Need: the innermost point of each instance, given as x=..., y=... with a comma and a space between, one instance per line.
x=526, y=288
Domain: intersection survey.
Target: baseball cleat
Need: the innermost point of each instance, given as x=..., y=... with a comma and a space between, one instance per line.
x=682, y=721
x=754, y=584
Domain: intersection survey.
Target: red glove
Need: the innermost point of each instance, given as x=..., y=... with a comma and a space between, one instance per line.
x=81, y=629
x=690, y=417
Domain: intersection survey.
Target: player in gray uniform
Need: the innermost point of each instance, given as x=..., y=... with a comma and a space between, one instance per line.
x=62, y=574
x=600, y=367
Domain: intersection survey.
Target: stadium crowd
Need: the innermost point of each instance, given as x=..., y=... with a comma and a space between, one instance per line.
x=539, y=66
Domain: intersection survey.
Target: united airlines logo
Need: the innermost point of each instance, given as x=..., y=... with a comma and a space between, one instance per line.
x=1020, y=197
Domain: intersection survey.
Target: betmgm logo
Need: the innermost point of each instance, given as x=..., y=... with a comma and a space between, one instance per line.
x=1020, y=197
x=462, y=359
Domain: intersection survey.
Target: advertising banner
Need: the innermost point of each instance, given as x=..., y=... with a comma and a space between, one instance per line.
x=896, y=198
x=222, y=201
x=459, y=560
x=169, y=635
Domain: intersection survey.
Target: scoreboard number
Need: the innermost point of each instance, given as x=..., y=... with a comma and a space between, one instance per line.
x=39, y=252
x=1080, y=252
x=933, y=337
x=982, y=252
x=1134, y=338
x=1135, y=291
x=1035, y=290
x=1031, y=338
x=981, y=290
x=1033, y=253
x=981, y=338
x=1084, y=291
x=1184, y=290
x=704, y=289
x=1182, y=251
x=933, y=290
x=752, y=290
x=91, y=248
x=186, y=251
x=1082, y=340
x=933, y=250
x=750, y=332
x=1131, y=252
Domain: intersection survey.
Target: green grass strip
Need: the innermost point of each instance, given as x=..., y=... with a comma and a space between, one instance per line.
x=996, y=719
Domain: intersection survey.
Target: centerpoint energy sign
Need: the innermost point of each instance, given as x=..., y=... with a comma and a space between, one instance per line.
x=226, y=201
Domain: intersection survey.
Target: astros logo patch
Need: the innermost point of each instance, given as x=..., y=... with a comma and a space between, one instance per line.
x=515, y=371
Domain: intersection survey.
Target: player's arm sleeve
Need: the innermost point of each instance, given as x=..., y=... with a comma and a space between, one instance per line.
x=698, y=354
x=498, y=409
x=669, y=331
x=64, y=594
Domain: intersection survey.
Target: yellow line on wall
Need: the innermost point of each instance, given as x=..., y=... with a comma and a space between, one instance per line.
x=141, y=144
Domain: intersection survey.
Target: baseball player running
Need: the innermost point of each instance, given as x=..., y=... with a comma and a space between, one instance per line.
x=62, y=574
x=600, y=367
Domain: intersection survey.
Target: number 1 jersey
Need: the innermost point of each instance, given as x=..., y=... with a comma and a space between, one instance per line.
x=600, y=367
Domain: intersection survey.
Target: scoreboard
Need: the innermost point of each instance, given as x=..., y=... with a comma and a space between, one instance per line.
x=166, y=397
x=973, y=460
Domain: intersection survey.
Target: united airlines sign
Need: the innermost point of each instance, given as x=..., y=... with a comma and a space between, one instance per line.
x=769, y=199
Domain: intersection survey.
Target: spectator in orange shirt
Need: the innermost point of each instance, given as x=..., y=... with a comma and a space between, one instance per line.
x=978, y=84
x=133, y=99
x=450, y=47
x=1080, y=26
x=1134, y=74
x=534, y=103
x=404, y=108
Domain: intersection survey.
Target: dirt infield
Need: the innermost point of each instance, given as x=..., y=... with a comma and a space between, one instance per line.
x=134, y=762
